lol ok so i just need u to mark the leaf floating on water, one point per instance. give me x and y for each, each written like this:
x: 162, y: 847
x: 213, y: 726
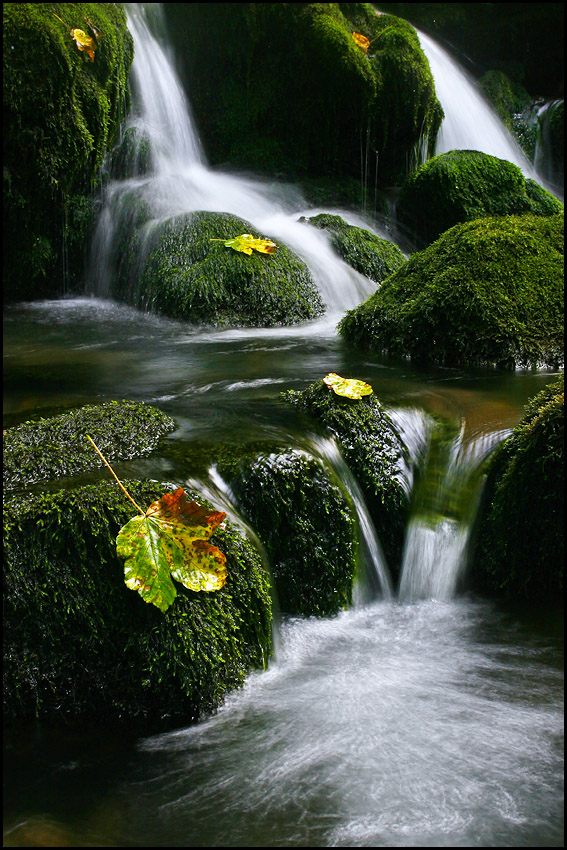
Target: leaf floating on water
x: 170, y: 541
x: 246, y: 243
x: 361, y: 41
x: 348, y: 387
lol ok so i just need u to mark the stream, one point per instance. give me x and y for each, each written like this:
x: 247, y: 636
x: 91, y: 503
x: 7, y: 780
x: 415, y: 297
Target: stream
x: 421, y: 716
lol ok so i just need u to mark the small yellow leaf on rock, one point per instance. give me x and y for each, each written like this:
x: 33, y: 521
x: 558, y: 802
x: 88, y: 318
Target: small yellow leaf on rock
x: 84, y: 42
x: 246, y: 242
x: 361, y: 41
x: 348, y: 387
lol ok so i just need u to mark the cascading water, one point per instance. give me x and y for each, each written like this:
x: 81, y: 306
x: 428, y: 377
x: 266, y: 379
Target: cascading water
x: 179, y: 180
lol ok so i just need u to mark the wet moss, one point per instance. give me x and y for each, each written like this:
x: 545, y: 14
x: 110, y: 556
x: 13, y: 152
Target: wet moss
x: 79, y: 643
x: 61, y: 113
x: 460, y: 186
x: 304, y: 520
x: 514, y: 106
x: 373, y: 451
x: 489, y: 291
x: 367, y: 253
x: 50, y: 448
x: 331, y: 99
x: 189, y: 276
x: 519, y: 532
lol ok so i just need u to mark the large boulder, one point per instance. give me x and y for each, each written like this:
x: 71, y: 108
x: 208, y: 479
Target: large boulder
x: 184, y: 270
x: 283, y: 88
x: 369, y: 254
x: 61, y: 114
x: 373, y: 451
x: 489, y: 291
x: 463, y: 185
x: 79, y: 644
x: 518, y: 535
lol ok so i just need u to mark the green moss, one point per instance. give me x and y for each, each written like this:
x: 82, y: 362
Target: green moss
x: 367, y: 253
x: 373, y: 451
x: 189, y: 276
x: 463, y: 185
x: 50, y: 448
x: 489, y: 291
x: 519, y: 532
x: 61, y: 112
x: 333, y: 105
x: 304, y: 520
x: 78, y: 642
x: 514, y: 106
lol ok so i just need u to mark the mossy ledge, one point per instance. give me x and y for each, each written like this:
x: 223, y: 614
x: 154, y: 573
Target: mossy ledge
x: 79, y: 644
x: 303, y: 518
x: 51, y: 448
x: 372, y: 256
x: 488, y: 291
x: 61, y: 115
x: 519, y: 531
x: 189, y: 274
x: 374, y: 452
x: 460, y: 186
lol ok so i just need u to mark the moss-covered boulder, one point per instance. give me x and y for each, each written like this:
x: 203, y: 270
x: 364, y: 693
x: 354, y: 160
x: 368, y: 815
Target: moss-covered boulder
x: 283, y: 88
x: 519, y: 550
x: 61, y: 112
x: 47, y: 449
x: 489, y: 291
x: 305, y: 521
x: 367, y: 253
x: 514, y: 106
x: 79, y: 643
x: 374, y: 452
x: 189, y: 274
x: 460, y: 186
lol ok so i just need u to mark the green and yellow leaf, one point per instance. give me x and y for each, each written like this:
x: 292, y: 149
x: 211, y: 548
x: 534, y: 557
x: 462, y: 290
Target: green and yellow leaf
x: 246, y: 243
x: 348, y: 387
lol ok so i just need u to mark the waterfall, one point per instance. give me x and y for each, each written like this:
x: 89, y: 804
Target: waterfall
x: 179, y: 180
x: 470, y: 123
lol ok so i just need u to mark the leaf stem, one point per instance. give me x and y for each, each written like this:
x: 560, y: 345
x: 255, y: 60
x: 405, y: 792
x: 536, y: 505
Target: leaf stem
x: 97, y: 450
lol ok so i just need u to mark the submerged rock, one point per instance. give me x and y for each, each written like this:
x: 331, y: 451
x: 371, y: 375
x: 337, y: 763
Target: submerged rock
x: 187, y: 274
x: 374, y: 452
x: 367, y: 253
x: 489, y: 291
x: 79, y: 643
x: 519, y: 531
x: 305, y: 521
x: 51, y: 448
x: 460, y: 186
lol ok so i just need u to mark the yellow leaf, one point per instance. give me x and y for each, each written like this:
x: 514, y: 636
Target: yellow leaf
x: 84, y: 42
x: 348, y: 387
x: 361, y: 41
x: 246, y: 242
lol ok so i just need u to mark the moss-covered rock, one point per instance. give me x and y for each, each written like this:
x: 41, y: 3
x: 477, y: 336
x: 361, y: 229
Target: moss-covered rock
x: 51, y: 448
x: 305, y: 521
x: 188, y: 275
x: 514, y: 106
x: 374, y: 452
x: 519, y: 550
x: 61, y: 112
x: 367, y: 253
x: 489, y: 291
x: 460, y: 186
x: 79, y: 643
x: 283, y: 88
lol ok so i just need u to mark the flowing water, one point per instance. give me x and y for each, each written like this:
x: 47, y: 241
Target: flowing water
x: 421, y: 716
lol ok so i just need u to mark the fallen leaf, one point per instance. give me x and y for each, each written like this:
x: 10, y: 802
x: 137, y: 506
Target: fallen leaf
x: 361, y: 41
x: 84, y: 42
x: 348, y: 387
x: 171, y: 541
x: 246, y: 243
